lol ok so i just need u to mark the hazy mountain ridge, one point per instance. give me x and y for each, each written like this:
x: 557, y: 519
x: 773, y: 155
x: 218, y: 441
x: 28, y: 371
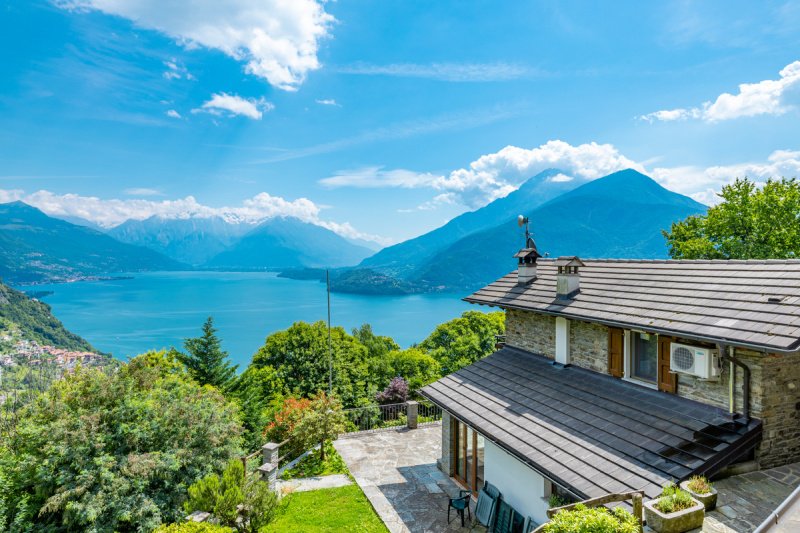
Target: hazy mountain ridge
x: 35, y: 247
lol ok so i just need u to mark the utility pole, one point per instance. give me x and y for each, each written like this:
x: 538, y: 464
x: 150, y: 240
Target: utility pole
x: 330, y: 346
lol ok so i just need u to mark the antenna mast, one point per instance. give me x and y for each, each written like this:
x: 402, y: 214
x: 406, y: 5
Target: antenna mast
x: 330, y: 347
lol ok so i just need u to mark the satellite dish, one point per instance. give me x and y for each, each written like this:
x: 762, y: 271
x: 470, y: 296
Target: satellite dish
x: 521, y: 221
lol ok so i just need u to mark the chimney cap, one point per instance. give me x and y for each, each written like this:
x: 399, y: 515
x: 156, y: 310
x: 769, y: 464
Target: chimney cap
x: 569, y: 261
x: 529, y: 251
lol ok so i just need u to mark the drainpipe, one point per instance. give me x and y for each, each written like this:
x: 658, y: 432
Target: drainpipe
x: 727, y: 353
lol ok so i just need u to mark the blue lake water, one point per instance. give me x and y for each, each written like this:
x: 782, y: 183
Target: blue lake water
x: 160, y: 309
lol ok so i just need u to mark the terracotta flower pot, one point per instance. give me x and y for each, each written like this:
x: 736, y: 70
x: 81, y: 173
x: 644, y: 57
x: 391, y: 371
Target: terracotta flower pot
x: 677, y: 522
x: 709, y: 499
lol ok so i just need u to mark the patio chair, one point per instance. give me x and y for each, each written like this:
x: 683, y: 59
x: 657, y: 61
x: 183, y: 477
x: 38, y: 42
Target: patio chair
x: 459, y: 504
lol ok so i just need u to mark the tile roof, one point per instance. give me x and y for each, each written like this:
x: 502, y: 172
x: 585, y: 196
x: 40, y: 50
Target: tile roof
x: 746, y: 303
x: 589, y: 432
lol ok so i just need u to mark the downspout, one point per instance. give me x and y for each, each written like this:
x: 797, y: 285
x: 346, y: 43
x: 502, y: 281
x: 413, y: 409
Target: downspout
x: 727, y: 354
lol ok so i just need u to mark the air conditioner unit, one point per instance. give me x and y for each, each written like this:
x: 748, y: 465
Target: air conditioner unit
x: 700, y: 362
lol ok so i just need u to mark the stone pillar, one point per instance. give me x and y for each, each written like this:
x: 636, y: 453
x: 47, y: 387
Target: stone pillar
x: 412, y: 411
x: 445, y: 462
x: 269, y: 468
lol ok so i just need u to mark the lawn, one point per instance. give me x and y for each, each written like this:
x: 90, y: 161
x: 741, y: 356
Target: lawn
x: 326, y: 510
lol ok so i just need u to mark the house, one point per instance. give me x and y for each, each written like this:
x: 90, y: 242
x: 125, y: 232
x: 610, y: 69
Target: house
x: 621, y: 375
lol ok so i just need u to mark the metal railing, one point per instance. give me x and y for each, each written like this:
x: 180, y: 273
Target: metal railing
x: 375, y: 417
x: 428, y: 413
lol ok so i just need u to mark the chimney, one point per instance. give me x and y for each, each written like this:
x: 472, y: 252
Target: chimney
x: 568, y: 278
x: 526, y: 258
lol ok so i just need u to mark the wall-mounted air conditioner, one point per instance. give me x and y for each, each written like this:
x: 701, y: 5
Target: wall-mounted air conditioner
x: 700, y: 362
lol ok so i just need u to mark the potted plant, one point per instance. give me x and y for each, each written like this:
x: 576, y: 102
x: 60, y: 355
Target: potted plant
x: 702, y: 491
x: 675, y: 511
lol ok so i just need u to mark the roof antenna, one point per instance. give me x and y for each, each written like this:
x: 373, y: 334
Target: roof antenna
x: 523, y: 221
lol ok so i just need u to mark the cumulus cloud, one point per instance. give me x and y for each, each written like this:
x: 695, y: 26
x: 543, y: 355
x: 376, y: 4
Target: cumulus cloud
x: 176, y: 71
x: 108, y: 213
x: 173, y: 114
x: 277, y: 40
x: 233, y: 105
x: 768, y: 97
x: 495, y: 175
x: 703, y: 184
x: 455, y: 72
x: 142, y: 191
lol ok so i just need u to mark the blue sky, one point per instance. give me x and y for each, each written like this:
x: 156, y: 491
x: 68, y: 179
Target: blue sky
x: 383, y: 119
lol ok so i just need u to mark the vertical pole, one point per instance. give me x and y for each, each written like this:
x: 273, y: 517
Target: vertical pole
x: 330, y: 347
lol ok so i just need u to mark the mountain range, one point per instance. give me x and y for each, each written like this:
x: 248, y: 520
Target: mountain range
x: 620, y: 215
x: 35, y: 247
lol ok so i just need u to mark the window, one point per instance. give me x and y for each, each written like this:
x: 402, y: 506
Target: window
x: 644, y: 356
x: 469, y: 454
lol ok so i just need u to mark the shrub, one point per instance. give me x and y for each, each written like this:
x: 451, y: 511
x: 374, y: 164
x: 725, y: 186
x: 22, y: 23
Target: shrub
x: 699, y: 485
x: 321, y: 422
x: 193, y: 527
x: 395, y: 392
x: 557, y: 500
x: 260, y: 505
x: 595, y: 520
x: 673, y: 499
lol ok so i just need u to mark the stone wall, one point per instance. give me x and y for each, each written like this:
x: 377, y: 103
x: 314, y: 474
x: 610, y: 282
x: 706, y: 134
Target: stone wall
x: 774, y: 379
x: 447, y: 460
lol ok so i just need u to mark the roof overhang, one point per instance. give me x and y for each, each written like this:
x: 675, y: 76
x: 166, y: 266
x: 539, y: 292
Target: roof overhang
x: 591, y: 433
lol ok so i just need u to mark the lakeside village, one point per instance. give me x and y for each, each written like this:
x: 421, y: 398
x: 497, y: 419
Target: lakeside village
x: 31, y: 353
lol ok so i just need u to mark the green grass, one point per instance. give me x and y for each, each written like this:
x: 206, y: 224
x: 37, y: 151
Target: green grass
x: 311, y: 465
x: 326, y: 510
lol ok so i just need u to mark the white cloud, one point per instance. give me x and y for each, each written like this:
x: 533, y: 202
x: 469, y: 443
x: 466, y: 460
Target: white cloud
x: 457, y: 72
x: 142, y: 191
x: 108, y: 213
x: 176, y: 71
x: 173, y: 114
x: 233, y: 105
x: 703, y: 184
x: 768, y: 97
x: 328, y: 101
x: 277, y: 40
x: 495, y: 175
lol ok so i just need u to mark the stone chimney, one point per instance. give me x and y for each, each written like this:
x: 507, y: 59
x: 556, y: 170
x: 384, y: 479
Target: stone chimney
x: 526, y: 268
x: 568, y: 277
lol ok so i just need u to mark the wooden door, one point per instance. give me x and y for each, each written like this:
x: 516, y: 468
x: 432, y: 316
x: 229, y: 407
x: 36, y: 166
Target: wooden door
x: 667, y: 381
x: 616, y: 352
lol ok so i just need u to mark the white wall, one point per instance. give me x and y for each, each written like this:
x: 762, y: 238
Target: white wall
x: 521, y: 487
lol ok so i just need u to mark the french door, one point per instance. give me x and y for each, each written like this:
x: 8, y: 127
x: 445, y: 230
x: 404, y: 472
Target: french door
x: 469, y: 455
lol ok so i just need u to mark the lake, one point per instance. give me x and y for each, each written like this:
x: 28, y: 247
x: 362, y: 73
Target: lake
x: 160, y: 309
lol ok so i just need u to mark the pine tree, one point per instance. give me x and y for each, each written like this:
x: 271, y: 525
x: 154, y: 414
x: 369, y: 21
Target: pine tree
x: 206, y: 361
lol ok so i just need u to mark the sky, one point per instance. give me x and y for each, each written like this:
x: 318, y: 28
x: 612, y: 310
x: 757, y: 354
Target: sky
x: 383, y: 120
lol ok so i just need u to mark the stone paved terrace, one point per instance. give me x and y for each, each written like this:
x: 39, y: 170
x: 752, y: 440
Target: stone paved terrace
x: 397, y: 471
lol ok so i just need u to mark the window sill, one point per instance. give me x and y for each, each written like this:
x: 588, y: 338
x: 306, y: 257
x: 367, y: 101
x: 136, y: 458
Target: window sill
x: 641, y: 383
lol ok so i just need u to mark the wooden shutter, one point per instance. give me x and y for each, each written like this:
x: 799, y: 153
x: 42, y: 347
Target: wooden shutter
x: 667, y: 381
x: 616, y: 352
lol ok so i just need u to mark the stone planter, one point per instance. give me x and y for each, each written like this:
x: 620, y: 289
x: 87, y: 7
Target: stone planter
x: 709, y: 499
x: 678, y: 522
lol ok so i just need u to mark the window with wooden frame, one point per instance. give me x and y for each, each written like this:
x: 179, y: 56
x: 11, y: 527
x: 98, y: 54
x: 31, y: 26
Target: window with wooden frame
x: 468, y: 453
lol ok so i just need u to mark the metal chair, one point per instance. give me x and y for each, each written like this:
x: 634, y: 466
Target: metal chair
x: 460, y: 504
x: 485, y: 508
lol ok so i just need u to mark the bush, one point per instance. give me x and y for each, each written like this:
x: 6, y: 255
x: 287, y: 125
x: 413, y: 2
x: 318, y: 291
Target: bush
x: 673, y: 499
x: 224, y: 496
x: 193, y: 527
x: 395, y: 392
x: 595, y: 520
x: 699, y: 485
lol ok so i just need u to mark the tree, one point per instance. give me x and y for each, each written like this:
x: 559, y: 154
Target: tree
x: 464, y: 340
x: 749, y: 223
x: 415, y: 365
x: 256, y: 390
x: 206, y: 361
x: 116, y: 451
x: 300, y: 357
x: 323, y: 421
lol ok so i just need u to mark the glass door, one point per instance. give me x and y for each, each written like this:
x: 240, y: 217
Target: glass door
x: 468, y: 454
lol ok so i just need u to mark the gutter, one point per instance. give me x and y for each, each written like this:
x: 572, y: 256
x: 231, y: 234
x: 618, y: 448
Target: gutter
x: 727, y: 355
x: 775, y: 517
x: 627, y: 325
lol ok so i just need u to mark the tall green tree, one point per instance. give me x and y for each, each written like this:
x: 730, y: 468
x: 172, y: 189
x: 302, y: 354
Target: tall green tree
x: 205, y: 359
x: 749, y: 223
x: 300, y: 357
x: 464, y: 340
